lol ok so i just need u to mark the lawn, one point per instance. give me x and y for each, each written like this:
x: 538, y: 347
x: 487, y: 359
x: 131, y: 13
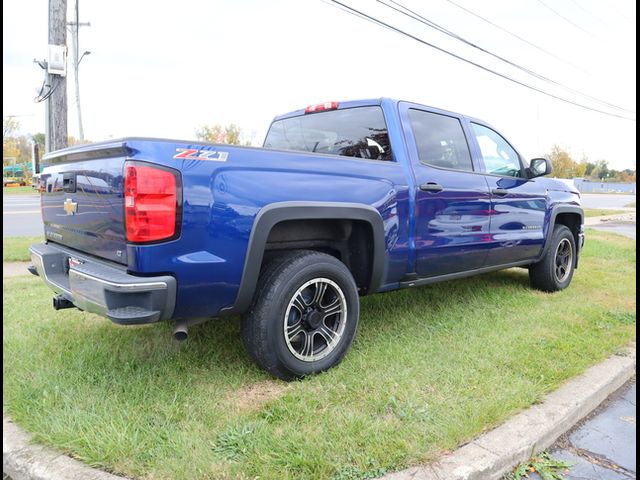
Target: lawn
x: 432, y: 367
x: 597, y: 212
x: 26, y: 190
x: 16, y: 249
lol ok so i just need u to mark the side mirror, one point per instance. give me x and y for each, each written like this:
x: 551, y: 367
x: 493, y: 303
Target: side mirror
x: 539, y: 167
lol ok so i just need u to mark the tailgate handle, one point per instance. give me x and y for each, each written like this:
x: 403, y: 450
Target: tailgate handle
x: 69, y: 182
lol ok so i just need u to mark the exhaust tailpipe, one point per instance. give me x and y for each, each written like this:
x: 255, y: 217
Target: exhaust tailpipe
x: 181, y: 331
x: 60, y: 303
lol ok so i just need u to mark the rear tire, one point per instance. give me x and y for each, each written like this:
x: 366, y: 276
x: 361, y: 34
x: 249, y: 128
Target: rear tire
x: 555, y: 270
x: 304, y: 314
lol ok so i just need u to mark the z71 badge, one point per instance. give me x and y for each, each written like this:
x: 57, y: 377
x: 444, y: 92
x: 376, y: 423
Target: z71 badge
x: 195, y: 154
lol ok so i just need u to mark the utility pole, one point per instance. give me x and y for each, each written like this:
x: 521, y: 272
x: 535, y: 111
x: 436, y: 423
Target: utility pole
x: 75, y: 25
x: 57, y: 131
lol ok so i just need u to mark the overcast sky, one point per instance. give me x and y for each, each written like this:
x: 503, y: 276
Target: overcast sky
x: 163, y: 69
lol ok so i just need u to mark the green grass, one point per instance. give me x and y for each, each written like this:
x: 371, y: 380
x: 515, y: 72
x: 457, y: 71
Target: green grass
x: 16, y: 249
x: 28, y: 189
x: 431, y: 368
x: 596, y: 212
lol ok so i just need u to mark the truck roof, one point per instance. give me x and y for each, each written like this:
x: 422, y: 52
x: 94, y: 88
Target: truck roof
x: 368, y: 102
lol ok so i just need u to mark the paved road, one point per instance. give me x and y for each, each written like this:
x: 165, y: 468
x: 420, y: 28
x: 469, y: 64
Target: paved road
x: 604, y: 446
x: 605, y: 200
x: 21, y: 216
x: 626, y: 229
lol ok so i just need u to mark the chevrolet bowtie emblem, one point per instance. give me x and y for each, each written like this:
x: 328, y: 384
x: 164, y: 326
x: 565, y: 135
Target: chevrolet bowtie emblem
x: 70, y: 206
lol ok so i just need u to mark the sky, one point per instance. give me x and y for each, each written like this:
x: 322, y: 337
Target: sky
x: 164, y: 69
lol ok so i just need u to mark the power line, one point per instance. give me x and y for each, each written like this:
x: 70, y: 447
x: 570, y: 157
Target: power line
x: 514, y: 35
x: 458, y: 57
x: 566, y: 19
x: 416, y: 16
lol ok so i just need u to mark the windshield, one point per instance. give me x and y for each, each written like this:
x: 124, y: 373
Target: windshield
x: 354, y: 132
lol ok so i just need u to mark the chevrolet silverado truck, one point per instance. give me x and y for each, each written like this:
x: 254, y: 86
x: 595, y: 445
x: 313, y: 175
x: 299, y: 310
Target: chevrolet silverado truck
x: 343, y: 200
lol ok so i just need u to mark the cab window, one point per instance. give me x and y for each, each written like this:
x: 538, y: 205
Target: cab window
x: 499, y: 157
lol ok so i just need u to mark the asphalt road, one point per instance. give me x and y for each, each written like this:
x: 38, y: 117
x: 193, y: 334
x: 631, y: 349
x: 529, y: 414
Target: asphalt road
x: 605, y: 200
x: 21, y: 213
x: 603, y: 447
x: 626, y: 229
x: 21, y: 216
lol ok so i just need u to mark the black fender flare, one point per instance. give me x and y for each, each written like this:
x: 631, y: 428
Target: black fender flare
x: 274, y: 213
x: 557, y: 210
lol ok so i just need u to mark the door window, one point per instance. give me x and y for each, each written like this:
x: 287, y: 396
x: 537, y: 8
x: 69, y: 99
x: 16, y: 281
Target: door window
x: 499, y: 157
x: 440, y: 140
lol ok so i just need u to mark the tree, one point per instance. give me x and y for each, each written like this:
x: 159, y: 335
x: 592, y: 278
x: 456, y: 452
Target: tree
x: 9, y: 125
x: 18, y: 148
x: 563, y: 165
x: 230, y: 134
x: 600, y: 170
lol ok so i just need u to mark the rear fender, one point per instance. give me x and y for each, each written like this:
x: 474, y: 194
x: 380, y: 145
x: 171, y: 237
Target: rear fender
x: 275, y: 213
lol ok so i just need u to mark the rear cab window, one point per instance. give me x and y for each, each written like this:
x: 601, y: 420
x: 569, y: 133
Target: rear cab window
x: 359, y: 132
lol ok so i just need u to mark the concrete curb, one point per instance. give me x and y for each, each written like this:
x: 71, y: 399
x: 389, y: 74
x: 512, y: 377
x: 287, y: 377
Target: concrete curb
x: 494, y: 453
x: 22, y: 460
x: 487, y: 457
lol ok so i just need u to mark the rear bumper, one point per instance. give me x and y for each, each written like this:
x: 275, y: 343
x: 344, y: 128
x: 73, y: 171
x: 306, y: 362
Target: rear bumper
x: 104, y: 288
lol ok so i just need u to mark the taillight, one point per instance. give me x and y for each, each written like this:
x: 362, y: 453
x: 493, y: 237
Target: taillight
x: 321, y: 107
x: 150, y: 202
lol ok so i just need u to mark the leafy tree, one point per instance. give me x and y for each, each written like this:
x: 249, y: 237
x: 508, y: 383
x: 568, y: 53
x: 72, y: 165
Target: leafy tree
x: 71, y: 141
x: 563, y: 165
x: 39, y: 138
x: 9, y: 125
x: 627, y: 175
x: 600, y: 170
x: 230, y: 134
x: 581, y: 168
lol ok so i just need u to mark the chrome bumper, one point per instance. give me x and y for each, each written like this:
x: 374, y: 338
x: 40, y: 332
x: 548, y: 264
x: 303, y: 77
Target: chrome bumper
x: 103, y: 288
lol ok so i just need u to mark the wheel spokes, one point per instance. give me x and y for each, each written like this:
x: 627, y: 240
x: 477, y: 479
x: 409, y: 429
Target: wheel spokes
x: 294, y: 330
x: 563, y: 260
x: 318, y: 294
x: 299, y: 303
x: 307, y: 346
x: 333, y: 308
x: 315, y: 319
x: 327, y: 334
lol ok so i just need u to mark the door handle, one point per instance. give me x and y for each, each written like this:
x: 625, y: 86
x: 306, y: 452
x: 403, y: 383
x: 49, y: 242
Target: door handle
x: 431, y: 187
x: 501, y: 192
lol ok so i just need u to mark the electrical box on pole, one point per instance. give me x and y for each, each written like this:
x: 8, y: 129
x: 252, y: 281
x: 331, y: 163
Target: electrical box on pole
x: 57, y: 62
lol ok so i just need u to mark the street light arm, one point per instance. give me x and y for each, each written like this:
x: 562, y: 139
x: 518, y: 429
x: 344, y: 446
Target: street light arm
x: 87, y: 52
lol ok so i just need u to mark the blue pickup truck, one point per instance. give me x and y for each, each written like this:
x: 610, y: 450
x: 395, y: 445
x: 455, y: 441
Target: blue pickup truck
x: 344, y: 199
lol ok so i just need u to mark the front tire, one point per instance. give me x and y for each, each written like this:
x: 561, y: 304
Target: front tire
x: 555, y: 270
x: 304, y: 314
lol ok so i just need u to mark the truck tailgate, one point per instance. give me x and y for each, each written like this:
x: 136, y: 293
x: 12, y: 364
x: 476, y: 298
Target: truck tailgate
x: 82, y: 198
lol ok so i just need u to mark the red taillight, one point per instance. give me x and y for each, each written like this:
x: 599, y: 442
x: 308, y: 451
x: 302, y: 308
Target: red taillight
x: 321, y: 107
x: 150, y: 203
